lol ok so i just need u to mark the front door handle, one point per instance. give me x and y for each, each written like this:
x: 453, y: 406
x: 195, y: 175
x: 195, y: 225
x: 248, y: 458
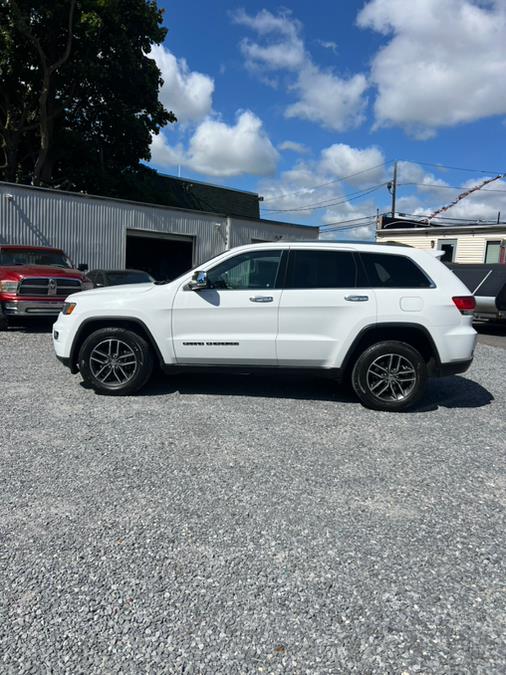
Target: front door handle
x: 357, y: 298
x: 262, y: 298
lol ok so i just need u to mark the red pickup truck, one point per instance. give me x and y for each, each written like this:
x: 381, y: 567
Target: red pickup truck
x: 35, y: 280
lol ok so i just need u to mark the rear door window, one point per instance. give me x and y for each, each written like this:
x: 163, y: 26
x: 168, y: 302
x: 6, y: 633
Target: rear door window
x: 321, y: 269
x: 392, y: 271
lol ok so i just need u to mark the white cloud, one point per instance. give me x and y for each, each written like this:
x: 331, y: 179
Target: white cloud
x: 444, y: 63
x: 343, y: 160
x: 328, y: 44
x: 322, y: 95
x: 187, y: 93
x: 265, y: 22
x: 280, y: 56
x: 292, y: 146
x: 163, y: 154
x: 335, y: 102
x: 285, y: 53
x: 219, y: 149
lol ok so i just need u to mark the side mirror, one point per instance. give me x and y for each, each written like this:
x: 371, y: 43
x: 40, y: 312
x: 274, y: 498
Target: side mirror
x: 82, y: 267
x: 199, y: 281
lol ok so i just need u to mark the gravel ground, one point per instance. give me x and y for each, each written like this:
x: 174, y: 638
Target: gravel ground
x: 243, y: 525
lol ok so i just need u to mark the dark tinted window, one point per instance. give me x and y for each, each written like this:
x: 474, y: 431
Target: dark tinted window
x: 127, y: 277
x: 258, y: 269
x: 321, y: 269
x: 393, y: 271
x: 19, y: 256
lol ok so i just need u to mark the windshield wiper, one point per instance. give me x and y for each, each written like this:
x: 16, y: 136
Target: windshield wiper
x: 163, y: 282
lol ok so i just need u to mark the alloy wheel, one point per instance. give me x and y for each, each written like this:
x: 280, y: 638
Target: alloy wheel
x: 113, y: 362
x: 391, y: 377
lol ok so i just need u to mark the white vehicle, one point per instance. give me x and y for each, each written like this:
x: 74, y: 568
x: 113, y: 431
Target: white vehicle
x: 385, y: 317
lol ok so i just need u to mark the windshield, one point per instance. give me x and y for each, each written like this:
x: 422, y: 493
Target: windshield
x: 119, y: 278
x: 15, y: 256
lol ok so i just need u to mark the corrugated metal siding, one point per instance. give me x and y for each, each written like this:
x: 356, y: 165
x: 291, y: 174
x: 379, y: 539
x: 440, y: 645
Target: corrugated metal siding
x: 93, y: 230
x: 470, y: 247
x: 244, y: 231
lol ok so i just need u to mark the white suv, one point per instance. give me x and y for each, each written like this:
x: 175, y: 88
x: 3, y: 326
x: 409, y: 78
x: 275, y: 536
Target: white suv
x: 386, y: 317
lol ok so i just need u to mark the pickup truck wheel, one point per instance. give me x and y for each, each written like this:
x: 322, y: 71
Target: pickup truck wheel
x: 389, y: 376
x: 4, y: 323
x: 115, y: 361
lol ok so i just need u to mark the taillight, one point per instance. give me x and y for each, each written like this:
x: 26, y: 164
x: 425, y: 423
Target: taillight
x: 466, y: 304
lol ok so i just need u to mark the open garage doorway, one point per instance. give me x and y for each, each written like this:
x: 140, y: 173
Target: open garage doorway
x: 162, y: 256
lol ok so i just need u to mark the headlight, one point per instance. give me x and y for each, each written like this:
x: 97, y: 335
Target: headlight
x: 9, y: 286
x: 87, y: 285
x: 68, y: 308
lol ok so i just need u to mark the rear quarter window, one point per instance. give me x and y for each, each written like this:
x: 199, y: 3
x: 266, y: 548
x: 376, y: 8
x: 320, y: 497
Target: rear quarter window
x: 383, y: 270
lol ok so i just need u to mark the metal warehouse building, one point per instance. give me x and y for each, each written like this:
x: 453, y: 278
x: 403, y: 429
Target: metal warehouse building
x: 116, y: 233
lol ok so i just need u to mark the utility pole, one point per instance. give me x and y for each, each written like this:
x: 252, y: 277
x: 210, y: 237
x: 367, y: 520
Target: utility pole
x: 394, y: 190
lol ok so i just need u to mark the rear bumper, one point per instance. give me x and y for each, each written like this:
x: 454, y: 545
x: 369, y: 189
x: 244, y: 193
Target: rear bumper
x: 26, y: 308
x: 453, y: 368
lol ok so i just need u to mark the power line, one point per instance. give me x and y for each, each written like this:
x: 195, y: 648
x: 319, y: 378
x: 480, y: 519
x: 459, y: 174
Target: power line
x: 330, y: 182
x: 371, y: 168
x: 360, y: 222
x: 453, y: 168
x: 347, y: 227
x: 351, y: 220
x: 323, y: 205
x: 447, y: 187
x: 423, y: 218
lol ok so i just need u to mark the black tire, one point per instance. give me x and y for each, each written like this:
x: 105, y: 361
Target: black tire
x: 393, y: 369
x: 4, y: 322
x: 130, y: 361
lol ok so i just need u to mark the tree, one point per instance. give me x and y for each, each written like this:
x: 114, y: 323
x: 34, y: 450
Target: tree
x: 78, y: 91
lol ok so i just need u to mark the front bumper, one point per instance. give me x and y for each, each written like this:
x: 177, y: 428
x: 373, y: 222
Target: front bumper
x: 26, y: 308
x: 64, y: 360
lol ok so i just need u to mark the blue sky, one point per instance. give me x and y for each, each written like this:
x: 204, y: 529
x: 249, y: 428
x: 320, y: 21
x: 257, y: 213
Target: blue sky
x: 286, y: 100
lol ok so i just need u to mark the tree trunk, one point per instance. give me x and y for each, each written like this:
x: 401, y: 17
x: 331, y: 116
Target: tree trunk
x: 44, y: 131
x: 11, y: 155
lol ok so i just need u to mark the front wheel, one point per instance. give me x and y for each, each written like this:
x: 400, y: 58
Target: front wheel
x: 389, y: 376
x: 115, y: 361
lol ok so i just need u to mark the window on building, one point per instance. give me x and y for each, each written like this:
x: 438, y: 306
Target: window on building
x: 493, y: 252
x: 257, y: 269
x: 392, y: 271
x: 321, y: 269
x: 449, y: 247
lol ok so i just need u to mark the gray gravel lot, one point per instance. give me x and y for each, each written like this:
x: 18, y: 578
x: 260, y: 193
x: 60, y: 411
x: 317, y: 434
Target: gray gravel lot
x: 241, y: 525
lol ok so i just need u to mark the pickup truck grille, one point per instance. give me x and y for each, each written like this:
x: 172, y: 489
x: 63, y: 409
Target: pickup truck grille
x: 47, y: 287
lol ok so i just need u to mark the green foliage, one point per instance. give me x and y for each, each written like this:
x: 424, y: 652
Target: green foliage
x: 102, y: 101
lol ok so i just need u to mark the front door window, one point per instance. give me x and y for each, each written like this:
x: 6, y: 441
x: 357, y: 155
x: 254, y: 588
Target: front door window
x: 248, y: 271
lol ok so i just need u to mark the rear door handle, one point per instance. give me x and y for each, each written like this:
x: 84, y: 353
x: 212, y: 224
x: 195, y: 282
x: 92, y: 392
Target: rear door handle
x: 357, y: 298
x: 262, y: 298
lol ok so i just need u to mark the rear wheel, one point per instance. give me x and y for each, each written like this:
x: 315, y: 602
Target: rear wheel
x: 389, y: 376
x: 115, y: 361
